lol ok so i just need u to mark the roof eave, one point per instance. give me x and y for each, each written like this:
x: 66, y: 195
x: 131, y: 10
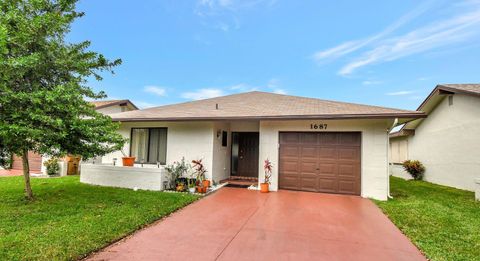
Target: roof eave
x: 287, y: 117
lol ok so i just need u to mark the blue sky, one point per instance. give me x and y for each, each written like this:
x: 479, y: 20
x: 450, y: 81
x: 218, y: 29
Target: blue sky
x: 387, y: 53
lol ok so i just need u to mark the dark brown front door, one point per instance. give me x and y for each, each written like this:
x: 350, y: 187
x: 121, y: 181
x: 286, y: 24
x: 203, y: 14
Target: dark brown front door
x: 245, y: 154
x: 320, y: 162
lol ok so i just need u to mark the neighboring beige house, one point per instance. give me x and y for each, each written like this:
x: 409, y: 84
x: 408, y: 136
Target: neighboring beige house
x: 448, y: 141
x: 314, y: 145
x: 72, y: 163
x: 114, y: 106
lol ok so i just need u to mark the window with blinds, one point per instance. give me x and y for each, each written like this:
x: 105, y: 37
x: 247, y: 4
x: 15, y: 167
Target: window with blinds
x: 149, y: 145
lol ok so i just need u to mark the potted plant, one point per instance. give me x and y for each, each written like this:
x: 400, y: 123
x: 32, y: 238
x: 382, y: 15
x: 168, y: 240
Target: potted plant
x: 200, y: 170
x: 180, y: 186
x: 176, y: 171
x: 191, y: 185
x: 267, y: 167
x: 126, y: 160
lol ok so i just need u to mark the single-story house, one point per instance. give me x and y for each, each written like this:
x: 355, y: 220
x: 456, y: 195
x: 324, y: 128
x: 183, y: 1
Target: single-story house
x: 315, y: 145
x: 72, y: 163
x: 448, y: 141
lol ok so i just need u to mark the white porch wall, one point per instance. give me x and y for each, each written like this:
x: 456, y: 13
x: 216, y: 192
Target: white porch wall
x: 374, y: 171
x: 221, y: 155
x: 192, y: 140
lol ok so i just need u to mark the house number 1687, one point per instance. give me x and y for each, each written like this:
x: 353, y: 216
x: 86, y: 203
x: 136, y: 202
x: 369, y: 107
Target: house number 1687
x: 318, y: 126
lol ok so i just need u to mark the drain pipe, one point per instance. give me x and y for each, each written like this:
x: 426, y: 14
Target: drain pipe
x: 395, y: 122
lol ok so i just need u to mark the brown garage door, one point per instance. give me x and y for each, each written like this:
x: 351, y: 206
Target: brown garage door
x: 34, y: 160
x: 320, y: 162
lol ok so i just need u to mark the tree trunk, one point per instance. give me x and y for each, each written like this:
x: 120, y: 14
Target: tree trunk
x: 26, y: 175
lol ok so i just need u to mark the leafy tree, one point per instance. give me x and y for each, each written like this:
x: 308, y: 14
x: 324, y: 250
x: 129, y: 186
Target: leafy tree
x: 43, y: 85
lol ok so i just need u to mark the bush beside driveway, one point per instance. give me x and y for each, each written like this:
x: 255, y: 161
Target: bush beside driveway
x: 69, y: 219
x: 443, y: 222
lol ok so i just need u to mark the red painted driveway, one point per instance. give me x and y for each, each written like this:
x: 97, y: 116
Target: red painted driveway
x: 238, y: 224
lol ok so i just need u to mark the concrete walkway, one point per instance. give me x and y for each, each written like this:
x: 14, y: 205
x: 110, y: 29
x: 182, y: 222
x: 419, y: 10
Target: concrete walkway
x: 238, y: 224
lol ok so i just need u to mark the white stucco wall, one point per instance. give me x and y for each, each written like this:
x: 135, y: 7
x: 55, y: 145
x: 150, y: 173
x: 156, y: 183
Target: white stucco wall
x: 448, y: 142
x: 397, y: 170
x: 221, y: 155
x: 123, y: 177
x: 192, y: 140
x: 374, y: 173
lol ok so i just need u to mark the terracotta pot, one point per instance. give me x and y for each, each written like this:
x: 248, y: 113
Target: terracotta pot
x: 128, y: 161
x: 264, y: 187
x: 201, y: 189
x: 180, y: 188
x: 206, y: 183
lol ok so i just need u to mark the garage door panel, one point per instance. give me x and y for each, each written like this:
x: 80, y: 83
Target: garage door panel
x: 308, y: 167
x: 327, y: 169
x: 290, y: 138
x: 347, y: 186
x: 289, y: 166
x: 348, y: 154
x: 327, y: 153
x: 309, y: 138
x: 308, y: 152
x: 328, y: 138
x: 348, y: 170
x: 327, y: 185
x: 308, y: 183
x: 290, y: 182
x: 320, y: 161
x: 352, y: 139
x: 290, y: 151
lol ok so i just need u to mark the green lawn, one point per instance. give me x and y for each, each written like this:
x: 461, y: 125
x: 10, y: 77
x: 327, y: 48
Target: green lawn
x: 69, y: 219
x: 443, y: 222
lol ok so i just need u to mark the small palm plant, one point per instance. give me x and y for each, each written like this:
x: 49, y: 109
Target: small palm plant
x: 267, y: 167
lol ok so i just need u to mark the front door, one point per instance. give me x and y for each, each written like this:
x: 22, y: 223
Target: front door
x: 245, y: 154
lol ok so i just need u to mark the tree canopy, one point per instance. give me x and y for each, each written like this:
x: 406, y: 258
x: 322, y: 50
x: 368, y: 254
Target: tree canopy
x: 44, y: 83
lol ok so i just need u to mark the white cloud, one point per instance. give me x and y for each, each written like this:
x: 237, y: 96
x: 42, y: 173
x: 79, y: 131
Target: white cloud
x: 225, y: 15
x: 274, y: 85
x: 203, y: 94
x: 242, y: 87
x: 279, y: 91
x: 371, y: 82
x: 454, y: 30
x: 159, y: 91
x: 382, y: 47
x: 351, y: 46
x: 400, y: 93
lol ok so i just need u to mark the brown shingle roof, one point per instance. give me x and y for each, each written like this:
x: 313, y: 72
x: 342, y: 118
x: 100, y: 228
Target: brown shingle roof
x: 469, y: 88
x: 262, y: 105
x: 108, y: 103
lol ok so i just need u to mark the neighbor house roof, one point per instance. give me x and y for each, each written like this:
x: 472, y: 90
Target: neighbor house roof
x: 434, y: 98
x: 263, y: 105
x: 108, y: 103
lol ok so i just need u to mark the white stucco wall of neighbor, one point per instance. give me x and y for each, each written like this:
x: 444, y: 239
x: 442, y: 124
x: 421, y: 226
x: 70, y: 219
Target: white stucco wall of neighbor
x: 448, y: 142
x: 374, y: 171
x: 192, y: 140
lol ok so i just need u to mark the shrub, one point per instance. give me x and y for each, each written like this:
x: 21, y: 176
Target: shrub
x: 414, y: 168
x: 52, y: 166
x: 6, y: 158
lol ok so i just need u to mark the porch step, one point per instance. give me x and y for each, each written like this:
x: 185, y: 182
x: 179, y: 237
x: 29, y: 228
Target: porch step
x: 240, y: 181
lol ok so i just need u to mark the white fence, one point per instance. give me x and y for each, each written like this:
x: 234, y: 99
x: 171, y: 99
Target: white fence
x: 124, y: 177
